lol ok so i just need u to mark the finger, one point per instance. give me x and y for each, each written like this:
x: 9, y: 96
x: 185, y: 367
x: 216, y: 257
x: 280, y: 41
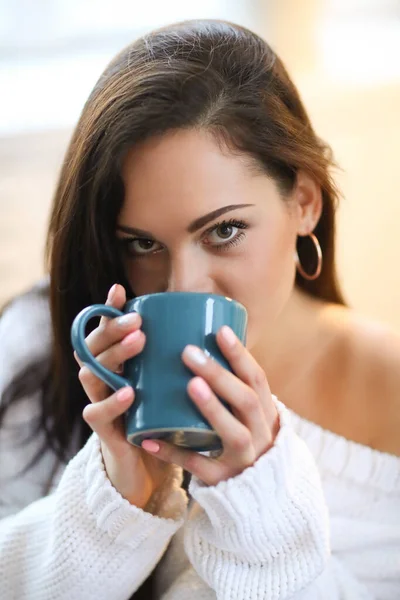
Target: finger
x: 116, y: 298
x: 236, y: 439
x: 101, y: 417
x: 245, y: 366
x: 111, y: 359
x: 127, y: 348
x: 112, y: 331
x: 241, y: 398
x: 119, y: 369
x: 205, y: 468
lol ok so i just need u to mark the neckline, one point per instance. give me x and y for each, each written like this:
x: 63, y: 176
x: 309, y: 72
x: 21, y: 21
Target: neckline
x: 345, y: 458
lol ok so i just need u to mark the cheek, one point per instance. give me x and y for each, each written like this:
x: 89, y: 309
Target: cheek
x: 267, y: 279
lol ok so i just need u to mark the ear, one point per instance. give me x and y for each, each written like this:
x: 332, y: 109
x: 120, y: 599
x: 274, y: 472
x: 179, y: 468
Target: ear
x: 307, y: 199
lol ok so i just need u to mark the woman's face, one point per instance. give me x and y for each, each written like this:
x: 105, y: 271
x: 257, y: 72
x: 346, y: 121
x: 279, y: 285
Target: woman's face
x: 199, y: 219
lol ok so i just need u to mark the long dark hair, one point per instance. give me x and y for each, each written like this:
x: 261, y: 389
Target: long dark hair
x: 203, y: 74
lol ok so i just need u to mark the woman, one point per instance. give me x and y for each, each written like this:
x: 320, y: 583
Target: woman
x: 194, y: 167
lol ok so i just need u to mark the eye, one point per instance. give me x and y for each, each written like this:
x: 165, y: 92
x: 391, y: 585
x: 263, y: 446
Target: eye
x: 223, y: 232
x: 223, y: 235
x: 140, y: 246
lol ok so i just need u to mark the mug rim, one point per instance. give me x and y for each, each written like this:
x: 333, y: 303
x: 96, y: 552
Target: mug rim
x: 191, y: 294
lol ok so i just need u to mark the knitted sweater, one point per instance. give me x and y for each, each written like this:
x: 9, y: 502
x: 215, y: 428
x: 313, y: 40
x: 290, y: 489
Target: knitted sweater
x: 316, y: 517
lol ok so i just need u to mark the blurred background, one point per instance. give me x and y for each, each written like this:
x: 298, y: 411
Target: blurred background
x: 344, y: 56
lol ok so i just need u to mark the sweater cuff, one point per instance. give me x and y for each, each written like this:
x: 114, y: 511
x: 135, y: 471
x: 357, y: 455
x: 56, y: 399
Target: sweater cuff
x: 272, y: 515
x: 122, y: 521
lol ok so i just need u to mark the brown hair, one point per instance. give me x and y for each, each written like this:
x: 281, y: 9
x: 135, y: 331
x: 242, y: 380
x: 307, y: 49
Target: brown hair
x: 198, y: 74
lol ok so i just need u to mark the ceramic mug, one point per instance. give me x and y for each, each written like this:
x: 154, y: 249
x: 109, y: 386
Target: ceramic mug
x: 162, y: 408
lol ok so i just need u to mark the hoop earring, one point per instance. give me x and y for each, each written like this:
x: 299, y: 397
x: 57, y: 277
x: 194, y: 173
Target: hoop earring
x: 319, y: 257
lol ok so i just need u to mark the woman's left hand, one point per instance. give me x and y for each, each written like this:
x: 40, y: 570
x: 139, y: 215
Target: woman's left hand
x: 246, y: 433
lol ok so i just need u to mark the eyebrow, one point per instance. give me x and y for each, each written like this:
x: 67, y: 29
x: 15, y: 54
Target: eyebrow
x: 194, y: 226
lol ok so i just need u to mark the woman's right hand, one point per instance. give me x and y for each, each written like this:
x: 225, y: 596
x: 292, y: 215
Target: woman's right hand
x: 133, y: 472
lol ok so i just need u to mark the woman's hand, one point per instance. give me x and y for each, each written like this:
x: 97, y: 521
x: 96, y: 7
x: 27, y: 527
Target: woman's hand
x: 133, y: 472
x: 247, y: 433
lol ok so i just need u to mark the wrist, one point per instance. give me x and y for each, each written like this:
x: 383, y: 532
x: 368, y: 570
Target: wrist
x: 168, y: 495
x: 128, y: 479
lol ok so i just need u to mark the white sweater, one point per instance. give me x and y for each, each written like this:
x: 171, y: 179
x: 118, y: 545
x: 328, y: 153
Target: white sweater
x: 316, y: 517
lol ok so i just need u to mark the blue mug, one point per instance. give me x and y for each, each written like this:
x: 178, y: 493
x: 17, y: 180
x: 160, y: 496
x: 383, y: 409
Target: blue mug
x: 162, y: 408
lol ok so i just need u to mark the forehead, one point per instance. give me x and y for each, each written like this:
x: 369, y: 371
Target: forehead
x: 185, y: 168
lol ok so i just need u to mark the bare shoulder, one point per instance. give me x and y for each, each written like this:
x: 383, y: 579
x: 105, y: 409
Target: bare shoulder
x: 376, y: 346
x: 370, y: 352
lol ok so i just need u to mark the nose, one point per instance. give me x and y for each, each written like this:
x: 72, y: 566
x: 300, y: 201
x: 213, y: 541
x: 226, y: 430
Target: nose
x: 189, y: 273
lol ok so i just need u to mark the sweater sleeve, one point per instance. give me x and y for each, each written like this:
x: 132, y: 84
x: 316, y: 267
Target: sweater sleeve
x: 265, y: 532
x: 85, y: 541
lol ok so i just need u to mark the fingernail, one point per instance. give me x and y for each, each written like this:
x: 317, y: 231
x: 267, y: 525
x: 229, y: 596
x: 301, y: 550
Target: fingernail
x: 124, y: 394
x: 200, y: 389
x: 195, y: 355
x: 111, y: 293
x: 228, y: 335
x: 131, y: 338
x: 127, y: 320
x: 150, y: 446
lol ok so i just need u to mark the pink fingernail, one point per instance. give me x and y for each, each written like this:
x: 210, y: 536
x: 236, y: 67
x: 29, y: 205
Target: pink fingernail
x: 228, y: 335
x: 150, y: 446
x: 111, y: 293
x: 131, y: 338
x: 124, y: 394
x: 201, y: 389
x: 195, y: 355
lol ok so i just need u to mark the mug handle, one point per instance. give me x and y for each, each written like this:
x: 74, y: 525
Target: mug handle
x: 78, y: 342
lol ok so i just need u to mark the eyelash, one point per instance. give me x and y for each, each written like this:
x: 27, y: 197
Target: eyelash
x: 241, y: 225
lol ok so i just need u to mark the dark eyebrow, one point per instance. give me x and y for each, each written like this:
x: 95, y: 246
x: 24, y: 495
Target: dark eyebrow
x: 134, y: 231
x: 201, y: 221
x: 193, y: 227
